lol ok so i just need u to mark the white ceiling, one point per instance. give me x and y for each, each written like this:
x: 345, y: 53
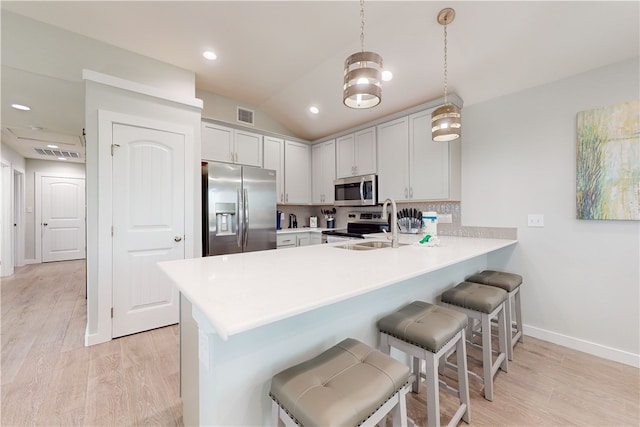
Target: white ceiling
x: 283, y: 57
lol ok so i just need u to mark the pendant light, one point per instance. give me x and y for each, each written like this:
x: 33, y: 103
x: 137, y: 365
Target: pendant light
x: 362, y: 75
x: 445, y: 120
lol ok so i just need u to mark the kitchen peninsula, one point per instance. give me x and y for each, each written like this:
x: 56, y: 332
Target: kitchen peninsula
x: 261, y: 312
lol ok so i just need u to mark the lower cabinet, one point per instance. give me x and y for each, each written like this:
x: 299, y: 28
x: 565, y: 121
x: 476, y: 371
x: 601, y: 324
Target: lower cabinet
x: 303, y: 238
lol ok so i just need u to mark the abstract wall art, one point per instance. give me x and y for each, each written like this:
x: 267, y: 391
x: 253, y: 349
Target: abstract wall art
x: 608, y: 162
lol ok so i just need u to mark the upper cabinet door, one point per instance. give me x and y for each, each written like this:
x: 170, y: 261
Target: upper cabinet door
x: 429, y: 160
x: 248, y: 148
x: 274, y: 159
x: 217, y: 143
x: 393, y: 166
x: 365, y: 152
x: 323, y: 169
x: 345, y: 156
x: 297, y: 178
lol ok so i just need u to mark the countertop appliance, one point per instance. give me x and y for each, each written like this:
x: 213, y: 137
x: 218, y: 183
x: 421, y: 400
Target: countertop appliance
x: 238, y: 205
x: 358, y: 225
x: 356, y: 191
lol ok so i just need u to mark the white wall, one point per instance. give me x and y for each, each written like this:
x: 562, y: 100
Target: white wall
x: 52, y: 168
x: 582, y: 278
x: 222, y: 108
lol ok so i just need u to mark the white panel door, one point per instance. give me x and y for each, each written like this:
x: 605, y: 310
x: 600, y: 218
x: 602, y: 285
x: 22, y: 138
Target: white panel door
x: 63, y: 219
x: 148, y: 226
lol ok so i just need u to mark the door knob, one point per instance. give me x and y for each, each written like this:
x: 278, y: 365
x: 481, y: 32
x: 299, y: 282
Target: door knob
x: 45, y: 224
x: 177, y: 238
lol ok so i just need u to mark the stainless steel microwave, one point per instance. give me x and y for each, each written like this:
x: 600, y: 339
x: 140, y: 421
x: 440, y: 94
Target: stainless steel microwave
x: 356, y: 191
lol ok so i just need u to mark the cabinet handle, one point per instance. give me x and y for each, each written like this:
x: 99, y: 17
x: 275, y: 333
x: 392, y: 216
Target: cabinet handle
x: 406, y: 193
x: 411, y: 192
x: 281, y: 197
x: 286, y: 198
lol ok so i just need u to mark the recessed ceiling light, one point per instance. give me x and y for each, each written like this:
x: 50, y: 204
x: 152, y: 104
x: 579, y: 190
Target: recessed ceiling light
x: 52, y: 146
x: 209, y: 55
x: 20, y: 107
x: 386, y: 76
x: 61, y: 158
x: 314, y: 109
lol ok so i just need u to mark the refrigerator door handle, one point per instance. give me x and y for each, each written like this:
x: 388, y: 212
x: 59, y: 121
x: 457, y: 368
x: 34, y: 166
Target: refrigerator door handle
x: 238, y: 223
x: 246, y: 217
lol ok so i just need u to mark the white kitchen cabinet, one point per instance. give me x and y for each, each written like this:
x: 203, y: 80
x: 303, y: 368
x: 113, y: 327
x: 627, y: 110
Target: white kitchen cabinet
x: 297, y: 173
x: 414, y: 167
x: 356, y: 153
x: 302, y: 239
x: 273, y: 158
x: 288, y: 240
x: 223, y: 144
x: 315, y: 238
x: 393, y: 152
x: 323, y: 171
x: 434, y: 167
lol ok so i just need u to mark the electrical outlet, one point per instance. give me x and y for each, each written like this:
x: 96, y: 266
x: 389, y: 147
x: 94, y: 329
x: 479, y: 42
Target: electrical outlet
x: 445, y: 218
x: 535, y: 220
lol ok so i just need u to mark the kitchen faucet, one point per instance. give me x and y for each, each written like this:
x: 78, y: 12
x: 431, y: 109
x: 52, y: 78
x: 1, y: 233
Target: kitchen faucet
x: 394, y: 222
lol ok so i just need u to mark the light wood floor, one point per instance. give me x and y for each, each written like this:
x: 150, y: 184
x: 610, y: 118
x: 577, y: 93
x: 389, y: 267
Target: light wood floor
x: 50, y: 378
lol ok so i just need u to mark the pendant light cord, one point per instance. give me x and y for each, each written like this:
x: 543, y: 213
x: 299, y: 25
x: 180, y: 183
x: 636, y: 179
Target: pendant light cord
x: 362, y: 25
x: 445, y: 63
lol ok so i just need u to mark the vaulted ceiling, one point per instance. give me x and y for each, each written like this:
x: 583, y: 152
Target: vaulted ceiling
x: 282, y: 57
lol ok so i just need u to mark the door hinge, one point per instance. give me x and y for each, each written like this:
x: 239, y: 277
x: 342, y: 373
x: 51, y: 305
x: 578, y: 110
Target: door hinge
x: 112, y: 147
x: 112, y: 312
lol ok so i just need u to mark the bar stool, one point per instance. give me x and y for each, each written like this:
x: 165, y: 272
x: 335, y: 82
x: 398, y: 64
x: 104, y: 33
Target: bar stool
x: 482, y: 303
x: 428, y: 332
x: 510, y: 282
x: 350, y: 384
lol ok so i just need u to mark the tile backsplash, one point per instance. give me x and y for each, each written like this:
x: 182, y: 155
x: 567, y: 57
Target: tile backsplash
x: 455, y: 228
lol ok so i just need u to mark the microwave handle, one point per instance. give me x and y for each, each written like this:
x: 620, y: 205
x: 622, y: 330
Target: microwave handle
x: 362, y: 190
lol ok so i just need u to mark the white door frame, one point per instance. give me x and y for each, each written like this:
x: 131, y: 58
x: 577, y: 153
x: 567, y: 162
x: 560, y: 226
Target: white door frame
x: 18, y: 216
x: 6, y: 233
x: 104, y: 244
x: 38, y: 209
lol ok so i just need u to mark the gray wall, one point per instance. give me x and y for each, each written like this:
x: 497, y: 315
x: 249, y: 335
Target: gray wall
x: 582, y: 278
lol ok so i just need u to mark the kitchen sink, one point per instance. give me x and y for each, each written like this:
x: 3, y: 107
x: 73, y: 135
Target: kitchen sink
x: 377, y: 244
x: 366, y: 246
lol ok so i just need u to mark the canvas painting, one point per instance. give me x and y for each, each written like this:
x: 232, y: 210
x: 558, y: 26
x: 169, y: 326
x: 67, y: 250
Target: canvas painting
x: 608, y: 162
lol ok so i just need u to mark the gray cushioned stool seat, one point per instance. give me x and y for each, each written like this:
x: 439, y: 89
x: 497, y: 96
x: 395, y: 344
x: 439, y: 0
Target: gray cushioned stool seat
x: 475, y: 296
x: 342, y: 386
x: 506, y: 281
x: 426, y: 325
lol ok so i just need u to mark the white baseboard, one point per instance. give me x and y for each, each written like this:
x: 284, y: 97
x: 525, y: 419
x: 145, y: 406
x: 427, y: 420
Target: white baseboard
x: 31, y: 261
x: 93, y: 339
x: 594, y: 349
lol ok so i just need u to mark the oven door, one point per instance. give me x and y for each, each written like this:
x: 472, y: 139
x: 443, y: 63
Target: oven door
x: 356, y: 191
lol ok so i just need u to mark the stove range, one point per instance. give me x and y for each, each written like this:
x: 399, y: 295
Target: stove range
x: 358, y: 225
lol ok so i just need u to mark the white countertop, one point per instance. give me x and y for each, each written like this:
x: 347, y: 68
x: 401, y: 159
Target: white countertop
x: 240, y: 292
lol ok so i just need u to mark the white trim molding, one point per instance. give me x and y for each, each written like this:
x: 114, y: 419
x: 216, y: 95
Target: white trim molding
x: 588, y: 347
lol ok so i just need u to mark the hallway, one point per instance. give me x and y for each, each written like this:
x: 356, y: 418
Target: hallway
x: 50, y: 378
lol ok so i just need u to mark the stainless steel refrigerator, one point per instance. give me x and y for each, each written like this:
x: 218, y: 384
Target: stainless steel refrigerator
x: 239, y: 209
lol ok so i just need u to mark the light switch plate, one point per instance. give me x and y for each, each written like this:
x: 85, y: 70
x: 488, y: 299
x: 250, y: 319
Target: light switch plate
x: 535, y: 220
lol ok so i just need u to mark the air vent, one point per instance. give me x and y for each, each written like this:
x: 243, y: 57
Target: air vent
x: 57, y: 153
x: 245, y: 116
